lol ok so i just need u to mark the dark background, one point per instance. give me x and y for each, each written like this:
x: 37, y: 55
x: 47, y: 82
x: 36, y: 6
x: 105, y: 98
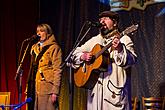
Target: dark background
x: 18, y: 21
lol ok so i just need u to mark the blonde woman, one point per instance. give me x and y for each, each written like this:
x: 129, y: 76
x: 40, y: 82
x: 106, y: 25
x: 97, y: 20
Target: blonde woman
x: 45, y: 70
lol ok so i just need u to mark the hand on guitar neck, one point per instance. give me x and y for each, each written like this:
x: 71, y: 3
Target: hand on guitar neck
x: 116, y: 44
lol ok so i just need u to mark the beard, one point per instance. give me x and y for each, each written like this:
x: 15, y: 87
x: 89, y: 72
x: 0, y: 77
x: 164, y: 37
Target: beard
x: 105, y: 31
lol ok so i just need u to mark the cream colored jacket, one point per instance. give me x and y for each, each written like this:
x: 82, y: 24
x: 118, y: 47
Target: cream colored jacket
x: 116, y: 75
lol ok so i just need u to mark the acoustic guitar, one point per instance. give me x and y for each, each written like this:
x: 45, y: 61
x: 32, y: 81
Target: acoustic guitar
x: 88, y: 73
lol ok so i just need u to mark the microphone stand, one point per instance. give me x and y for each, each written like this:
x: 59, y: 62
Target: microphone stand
x: 20, y: 72
x: 68, y: 59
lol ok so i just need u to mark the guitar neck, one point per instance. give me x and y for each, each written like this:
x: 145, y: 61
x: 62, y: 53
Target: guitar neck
x: 125, y: 32
x: 106, y: 47
x: 103, y: 50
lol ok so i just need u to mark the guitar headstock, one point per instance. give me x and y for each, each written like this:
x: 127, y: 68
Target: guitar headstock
x: 130, y: 29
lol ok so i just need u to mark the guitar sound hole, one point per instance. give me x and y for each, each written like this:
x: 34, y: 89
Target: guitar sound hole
x: 92, y: 59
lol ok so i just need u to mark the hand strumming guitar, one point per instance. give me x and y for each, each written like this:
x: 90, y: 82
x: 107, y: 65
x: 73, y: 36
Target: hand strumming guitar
x: 86, y: 56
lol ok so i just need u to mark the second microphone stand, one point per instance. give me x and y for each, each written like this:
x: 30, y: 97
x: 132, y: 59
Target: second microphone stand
x: 69, y: 63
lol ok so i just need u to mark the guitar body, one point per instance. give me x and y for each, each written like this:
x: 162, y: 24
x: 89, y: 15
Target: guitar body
x: 87, y: 74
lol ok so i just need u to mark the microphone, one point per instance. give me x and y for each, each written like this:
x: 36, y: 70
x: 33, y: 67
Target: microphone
x: 34, y: 37
x: 94, y: 24
x: 28, y: 100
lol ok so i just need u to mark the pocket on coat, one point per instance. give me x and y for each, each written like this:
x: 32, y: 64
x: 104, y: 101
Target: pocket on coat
x: 115, y: 95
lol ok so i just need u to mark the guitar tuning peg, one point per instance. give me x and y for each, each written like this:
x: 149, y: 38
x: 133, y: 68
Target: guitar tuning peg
x: 136, y: 25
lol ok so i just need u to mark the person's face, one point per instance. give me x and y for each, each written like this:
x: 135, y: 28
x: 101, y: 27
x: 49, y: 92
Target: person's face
x: 42, y: 33
x: 108, y: 25
x: 107, y: 22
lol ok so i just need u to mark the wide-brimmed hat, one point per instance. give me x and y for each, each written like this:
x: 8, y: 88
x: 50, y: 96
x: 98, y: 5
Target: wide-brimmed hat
x: 111, y: 14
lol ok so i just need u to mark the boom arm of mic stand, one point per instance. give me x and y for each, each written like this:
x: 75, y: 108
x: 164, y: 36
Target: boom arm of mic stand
x: 68, y: 57
x: 19, y: 69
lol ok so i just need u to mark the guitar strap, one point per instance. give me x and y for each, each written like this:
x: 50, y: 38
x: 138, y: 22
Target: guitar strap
x: 41, y: 53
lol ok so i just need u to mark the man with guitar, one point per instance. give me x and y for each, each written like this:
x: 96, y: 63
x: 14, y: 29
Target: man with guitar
x: 103, y: 63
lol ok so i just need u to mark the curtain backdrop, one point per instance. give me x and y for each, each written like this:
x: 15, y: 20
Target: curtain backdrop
x: 66, y: 17
x: 18, y: 21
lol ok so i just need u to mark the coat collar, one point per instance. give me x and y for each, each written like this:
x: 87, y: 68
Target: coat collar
x: 36, y: 47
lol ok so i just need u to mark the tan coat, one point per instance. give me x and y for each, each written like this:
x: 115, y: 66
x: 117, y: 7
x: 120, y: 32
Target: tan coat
x: 48, y: 75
